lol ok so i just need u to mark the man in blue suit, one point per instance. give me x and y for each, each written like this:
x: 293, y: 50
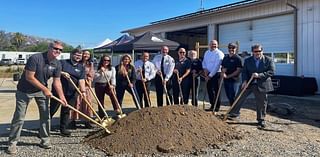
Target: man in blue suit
x: 261, y: 68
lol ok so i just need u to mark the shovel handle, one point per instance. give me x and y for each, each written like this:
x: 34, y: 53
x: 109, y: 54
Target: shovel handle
x: 218, y: 94
x: 82, y: 114
x: 95, y: 96
x: 78, y: 90
x: 236, y: 101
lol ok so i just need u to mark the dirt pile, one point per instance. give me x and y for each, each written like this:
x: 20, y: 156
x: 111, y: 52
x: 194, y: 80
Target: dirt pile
x: 169, y: 129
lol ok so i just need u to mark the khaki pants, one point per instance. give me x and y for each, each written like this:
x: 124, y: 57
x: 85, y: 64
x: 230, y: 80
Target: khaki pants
x: 22, y: 102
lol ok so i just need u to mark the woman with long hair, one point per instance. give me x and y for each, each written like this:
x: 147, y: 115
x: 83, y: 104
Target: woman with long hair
x: 106, y: 72
x: 124, y: 70
x: 80, y: 103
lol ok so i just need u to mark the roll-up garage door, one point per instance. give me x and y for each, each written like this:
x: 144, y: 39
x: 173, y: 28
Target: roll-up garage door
x: 276, y: 34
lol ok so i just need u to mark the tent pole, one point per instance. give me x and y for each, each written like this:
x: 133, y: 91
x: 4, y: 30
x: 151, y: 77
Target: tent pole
x: 132, y: 55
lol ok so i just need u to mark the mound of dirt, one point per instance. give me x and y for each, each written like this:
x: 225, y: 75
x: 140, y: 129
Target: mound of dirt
x: 169, y: 129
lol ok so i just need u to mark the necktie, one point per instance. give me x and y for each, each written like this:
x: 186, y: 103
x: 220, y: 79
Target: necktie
x: 143, y: 71
x: 162, y: 69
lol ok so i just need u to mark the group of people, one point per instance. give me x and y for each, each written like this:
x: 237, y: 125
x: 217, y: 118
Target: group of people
x: 176, y: 78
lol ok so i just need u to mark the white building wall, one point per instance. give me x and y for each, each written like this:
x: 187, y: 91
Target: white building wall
x: 308, y: 38
x: 308, y: 27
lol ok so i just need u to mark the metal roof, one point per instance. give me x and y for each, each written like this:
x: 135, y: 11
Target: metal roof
x: 201, y: 12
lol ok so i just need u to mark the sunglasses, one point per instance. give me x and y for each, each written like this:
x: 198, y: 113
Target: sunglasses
x: 106, y: 60
x: 257, y: 51
x: 231, y: 48
x: 182, y: 52
x: 57, y: 49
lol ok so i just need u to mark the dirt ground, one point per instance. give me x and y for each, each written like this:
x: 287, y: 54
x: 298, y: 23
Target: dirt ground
x: 292, y: 130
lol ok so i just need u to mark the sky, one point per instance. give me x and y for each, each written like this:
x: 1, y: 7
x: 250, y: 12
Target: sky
x: 89, y: 22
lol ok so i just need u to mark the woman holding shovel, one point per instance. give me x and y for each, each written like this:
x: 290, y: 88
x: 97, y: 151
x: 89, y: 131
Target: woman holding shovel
x: 106, y: 72
x: 124, y: 71
x: 181, y: 80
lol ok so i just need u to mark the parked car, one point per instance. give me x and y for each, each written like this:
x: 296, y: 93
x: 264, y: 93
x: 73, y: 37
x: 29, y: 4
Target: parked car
x: 21, y: 61
x: 6, y: 61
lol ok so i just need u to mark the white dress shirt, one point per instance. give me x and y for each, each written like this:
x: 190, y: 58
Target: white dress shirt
x: 212, y: 61
x: 168, y: 65
x: 149, y: 69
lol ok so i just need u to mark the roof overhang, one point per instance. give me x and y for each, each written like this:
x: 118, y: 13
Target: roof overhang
x: 198, y: 14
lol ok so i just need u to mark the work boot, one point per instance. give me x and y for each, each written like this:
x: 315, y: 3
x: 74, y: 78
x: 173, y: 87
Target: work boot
x: 65, y: 133
x: 12, y: 149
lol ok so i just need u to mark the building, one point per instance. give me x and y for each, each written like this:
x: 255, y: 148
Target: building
x: 22, y: 57
x: 289, y: 30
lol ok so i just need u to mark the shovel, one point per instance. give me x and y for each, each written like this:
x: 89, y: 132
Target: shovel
x: 121, y: 115
x: 106, y: 120
x: 67, y: 75
x: 134, y: 94
x: 217, y: 95
x: 82, y: 114
x: 165, y: 90
x: 225, y: 116
x: 145, y: 89
x: 193, y: 90
x: 180, y: 89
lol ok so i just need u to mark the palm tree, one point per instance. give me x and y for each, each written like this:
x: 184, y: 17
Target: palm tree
x: 18, y: 40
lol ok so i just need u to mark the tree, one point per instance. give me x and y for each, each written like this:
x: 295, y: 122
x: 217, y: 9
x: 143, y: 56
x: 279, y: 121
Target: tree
x: 18, y: 40
x: 4, y: 43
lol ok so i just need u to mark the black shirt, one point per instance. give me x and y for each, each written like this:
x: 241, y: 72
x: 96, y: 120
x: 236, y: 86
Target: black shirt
x: 196, y: 64
x: 183, y: 65
x: 231, y: 64
x: 43, y: 69
x: 122, y: 80
x: 76, y: 72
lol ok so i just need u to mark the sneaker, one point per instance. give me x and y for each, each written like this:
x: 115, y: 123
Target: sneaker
x: 45, y: 145
x: 233, y: 117
x: 261, y: 124
x: 12, y: 149
x: 65, y: 133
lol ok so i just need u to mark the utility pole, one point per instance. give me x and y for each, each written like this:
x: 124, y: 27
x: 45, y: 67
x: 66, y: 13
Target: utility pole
x: 201, y: 5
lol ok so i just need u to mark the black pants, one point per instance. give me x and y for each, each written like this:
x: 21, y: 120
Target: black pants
x: 120, y: 89
x: 185, y: 87
x: 141, y: 93
x: 65, y: 111
x: 212, y: 88
x: 159, y: 90
x: 195, y: 90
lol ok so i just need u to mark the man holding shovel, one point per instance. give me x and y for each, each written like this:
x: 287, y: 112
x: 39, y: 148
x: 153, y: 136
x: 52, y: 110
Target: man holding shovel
x: 260, y: 68
x: 145, y: 72
x: 76, y: 72
x: 33, y: 84
x: 231, y: 68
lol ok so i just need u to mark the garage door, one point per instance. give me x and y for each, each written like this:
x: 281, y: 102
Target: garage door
x: 276, y: 34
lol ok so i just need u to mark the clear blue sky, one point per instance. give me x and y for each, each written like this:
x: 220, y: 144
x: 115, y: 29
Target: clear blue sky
x: 89, y: 22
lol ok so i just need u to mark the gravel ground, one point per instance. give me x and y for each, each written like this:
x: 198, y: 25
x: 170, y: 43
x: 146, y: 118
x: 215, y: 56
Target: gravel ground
x: 293, y: 135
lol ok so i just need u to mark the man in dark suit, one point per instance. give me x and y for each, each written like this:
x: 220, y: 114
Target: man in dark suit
x: 261, y: 68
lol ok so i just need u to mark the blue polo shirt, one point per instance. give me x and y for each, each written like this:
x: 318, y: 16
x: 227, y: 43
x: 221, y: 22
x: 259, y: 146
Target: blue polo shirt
x: 76, y: 72
x: 43, y: 69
